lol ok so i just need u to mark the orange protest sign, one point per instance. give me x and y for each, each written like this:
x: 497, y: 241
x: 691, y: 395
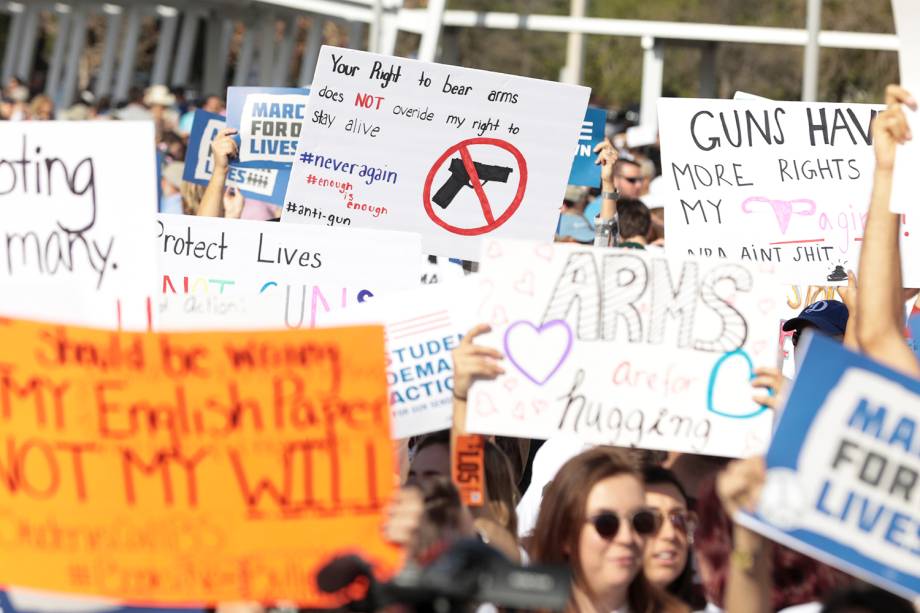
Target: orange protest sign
x: 190, y: 468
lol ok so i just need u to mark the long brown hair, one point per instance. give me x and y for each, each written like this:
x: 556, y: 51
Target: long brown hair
x: 562, y: 515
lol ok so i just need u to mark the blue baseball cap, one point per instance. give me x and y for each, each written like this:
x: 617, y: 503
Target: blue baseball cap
x: 828, y: 316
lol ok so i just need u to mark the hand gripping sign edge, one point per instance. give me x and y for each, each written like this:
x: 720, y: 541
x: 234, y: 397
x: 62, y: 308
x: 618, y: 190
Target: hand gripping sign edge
x: 477, y: 186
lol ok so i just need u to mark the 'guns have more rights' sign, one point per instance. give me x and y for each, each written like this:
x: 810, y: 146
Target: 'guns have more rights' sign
x: 451, y: 153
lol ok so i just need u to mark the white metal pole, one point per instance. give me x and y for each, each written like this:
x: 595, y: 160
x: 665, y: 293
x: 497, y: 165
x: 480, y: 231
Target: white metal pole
x: 428, y: 49
x: 285, y: 54
x: 128, y: 54
x: 56, y: 67
x: 27, y: 42
x: 266, y: 48
x: 311, y: 51
x: 74, y: 52
x: 13, y: 36
x: 811, y: 66
x: 652, y: 81
x: 109, y: 51
x: 166, y: 41
x: 244, y: 61
x: 575, y: 47
x: 187, y: 39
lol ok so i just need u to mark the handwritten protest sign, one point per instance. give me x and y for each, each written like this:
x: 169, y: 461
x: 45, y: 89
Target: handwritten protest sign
x: 190, y: 468
x: 74, y: 214
x: 584, y: 170
x: 904, y: 191
x: 423, y: 326
x: 269, y: 120
x: 219, y: 273
x: 625, y: 347
x: 452, y: 153
x: 267, y: 184
x: 781, y: 182
x: 842, y: 472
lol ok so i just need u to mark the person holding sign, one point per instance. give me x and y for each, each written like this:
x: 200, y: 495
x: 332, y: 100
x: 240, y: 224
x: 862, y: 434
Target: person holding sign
x: 218, y: 201
x: 880, y: 318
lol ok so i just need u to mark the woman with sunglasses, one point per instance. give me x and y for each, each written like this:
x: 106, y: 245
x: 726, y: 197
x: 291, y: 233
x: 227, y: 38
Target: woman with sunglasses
x: 593, y: 517
x: 668, y: 564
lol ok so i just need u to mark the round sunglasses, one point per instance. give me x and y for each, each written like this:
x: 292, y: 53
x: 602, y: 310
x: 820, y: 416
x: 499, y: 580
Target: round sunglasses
x: 644, y: 522
x: 683, y: 521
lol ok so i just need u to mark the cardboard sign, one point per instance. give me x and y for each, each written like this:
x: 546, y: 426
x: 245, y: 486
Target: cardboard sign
x: 257, y: 183
x: 452, y: 153
x: 786, y: 183
x: 219, y: 273
x: 842, y: 472
x: 584, y: 170
x: 906, y: 186
x: 270, y: 120
x: 191, y: 468
x: 423, y: 325
x: 74, y: 216
x: 625, y: 347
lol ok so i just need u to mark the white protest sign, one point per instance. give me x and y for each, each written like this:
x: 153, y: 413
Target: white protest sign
x: 452, y: 153
x: 781, y: 182
x: 625, y: 347
x: 269, y: 120
x: 75, y: 219
x: 219, y: 273
x: 906, y: 187
x: 422, y: 327
x: 842, y: 470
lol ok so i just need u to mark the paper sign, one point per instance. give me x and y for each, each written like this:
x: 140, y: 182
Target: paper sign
x: 241, y: 274
x: 257, y: 183
x: 786, y: 183
x: 842, y: 470
x: 625, y: 347
x: 74, y: 216
x: 270, y: 120
x: 904, y: 198
x: 423, y: 325
x: 191, y: 468
x: 451, y: 153
x: 584, y: 170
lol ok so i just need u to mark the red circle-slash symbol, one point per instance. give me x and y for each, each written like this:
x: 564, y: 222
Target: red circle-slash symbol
x: 463, y: 149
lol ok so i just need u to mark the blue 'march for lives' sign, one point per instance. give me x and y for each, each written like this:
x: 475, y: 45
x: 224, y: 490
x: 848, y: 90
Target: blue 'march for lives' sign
x: 843, y: 471
x: 267, y: 184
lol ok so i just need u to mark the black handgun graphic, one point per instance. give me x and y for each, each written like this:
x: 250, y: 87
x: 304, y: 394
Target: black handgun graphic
x: 459, y: 178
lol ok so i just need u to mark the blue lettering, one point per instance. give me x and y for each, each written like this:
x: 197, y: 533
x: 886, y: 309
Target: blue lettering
x: 820, y: 506
x: 868, y: 422
x: 903, y: 434
x: 895, y: 528
x: 260, y: 109
x: 867, y: 522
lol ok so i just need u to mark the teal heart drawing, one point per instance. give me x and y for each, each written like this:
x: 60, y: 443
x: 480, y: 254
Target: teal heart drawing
x: 713, y: 376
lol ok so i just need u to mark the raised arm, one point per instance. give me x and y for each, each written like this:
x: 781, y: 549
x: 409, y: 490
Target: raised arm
x: 879, y: 316
x: 223, y: 148
x: 471, y: 362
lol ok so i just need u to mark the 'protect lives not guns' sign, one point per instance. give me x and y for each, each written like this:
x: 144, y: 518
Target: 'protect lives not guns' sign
x: 451, y: 153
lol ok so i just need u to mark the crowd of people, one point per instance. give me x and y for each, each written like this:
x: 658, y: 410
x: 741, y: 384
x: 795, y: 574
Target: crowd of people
x: 641, y: 531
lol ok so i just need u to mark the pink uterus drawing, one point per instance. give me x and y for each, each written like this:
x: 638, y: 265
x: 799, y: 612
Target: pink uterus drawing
x: 783, y: 209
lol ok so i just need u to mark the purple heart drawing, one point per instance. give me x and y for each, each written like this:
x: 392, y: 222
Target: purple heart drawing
x: 538, y: 352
